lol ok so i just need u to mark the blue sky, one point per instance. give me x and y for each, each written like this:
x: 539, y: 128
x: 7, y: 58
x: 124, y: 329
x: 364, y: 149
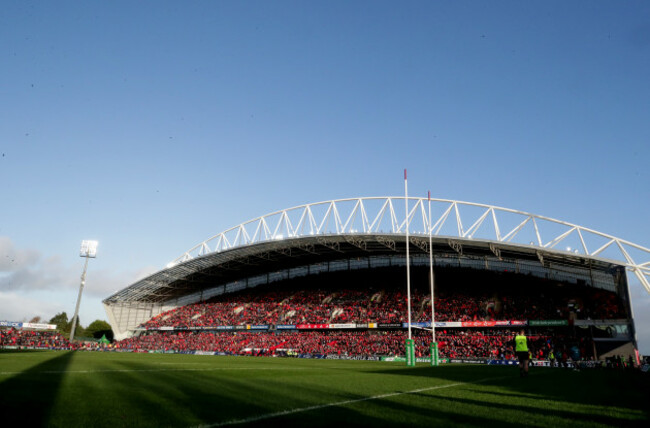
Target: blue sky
x: 152, y: 126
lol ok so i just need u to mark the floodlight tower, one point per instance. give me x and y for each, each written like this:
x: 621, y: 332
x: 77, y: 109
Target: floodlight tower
x: 88, y: 250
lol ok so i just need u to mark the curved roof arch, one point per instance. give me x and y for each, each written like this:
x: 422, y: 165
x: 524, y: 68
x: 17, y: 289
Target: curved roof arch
x: 438, y: 217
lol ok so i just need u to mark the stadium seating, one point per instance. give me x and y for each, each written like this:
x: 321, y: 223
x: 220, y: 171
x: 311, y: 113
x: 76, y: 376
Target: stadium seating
x: 384, y: 306
x: 473, y: 299
x: 34, y: 339
x: 461, y: 343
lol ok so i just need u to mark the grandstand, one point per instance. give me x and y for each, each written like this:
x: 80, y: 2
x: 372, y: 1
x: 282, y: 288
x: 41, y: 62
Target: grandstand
x: 328, y: 278
x: 19, y: 335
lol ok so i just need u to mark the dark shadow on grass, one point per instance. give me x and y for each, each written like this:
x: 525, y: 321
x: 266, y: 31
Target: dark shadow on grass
x: 452, y: 372
x: 400, y: 410
x: 27, y: 398
x: 186, y: 397
x: 533, y: 413
x: 181, y: 398
x: 160, y: 391
x: 172, y: 397
x: 175, y: 397
x: 620, y: 389
x: 236, y: 401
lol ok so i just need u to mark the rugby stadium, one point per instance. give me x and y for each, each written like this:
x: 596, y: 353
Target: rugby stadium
x: 325, y: 288
x: 337, y: 267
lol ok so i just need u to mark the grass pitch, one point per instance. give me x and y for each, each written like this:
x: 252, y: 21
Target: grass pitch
x: 75, y: 389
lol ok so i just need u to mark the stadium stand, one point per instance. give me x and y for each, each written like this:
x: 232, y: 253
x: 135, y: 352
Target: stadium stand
x: 464, y: 299
x: 487, y: 344
x: 387, y: 305
x: 13, y: 337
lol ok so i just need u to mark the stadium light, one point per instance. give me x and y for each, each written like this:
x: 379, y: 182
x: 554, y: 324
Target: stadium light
x: 89, y: 251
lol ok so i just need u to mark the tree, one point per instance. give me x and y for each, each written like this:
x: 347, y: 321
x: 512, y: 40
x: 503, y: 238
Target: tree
x: 63, y: 325
x: 35, y: 320
x: 61, y: 321
x: 98, y: 328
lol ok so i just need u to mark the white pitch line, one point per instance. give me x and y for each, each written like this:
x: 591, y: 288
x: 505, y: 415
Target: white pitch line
x: 150, y: 370
x: 338, y: 403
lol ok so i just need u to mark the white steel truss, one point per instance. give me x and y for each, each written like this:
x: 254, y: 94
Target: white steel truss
x: 448, y: 218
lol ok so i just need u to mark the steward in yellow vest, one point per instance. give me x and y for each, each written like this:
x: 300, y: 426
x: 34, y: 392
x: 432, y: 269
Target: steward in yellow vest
x: 521, y: 349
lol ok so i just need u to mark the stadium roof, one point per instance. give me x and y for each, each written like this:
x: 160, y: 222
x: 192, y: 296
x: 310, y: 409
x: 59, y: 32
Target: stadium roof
x: 357, y: 227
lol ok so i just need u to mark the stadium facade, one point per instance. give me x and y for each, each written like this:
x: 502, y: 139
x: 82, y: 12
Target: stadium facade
x: 370, y: 234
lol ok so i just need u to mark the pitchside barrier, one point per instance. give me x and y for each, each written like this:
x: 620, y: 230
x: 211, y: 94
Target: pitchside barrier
x: 400, y: 359
x: 35, y: 348
x: 383, y: 326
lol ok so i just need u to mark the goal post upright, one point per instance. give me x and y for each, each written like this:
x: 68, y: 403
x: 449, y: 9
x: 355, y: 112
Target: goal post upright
x: 410, y: 346
x: 434, y: 344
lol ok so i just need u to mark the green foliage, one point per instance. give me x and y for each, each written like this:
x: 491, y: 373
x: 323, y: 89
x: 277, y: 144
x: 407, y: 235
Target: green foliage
x: 64, y: 325
x: 98, y: 328
x: 61, y: 321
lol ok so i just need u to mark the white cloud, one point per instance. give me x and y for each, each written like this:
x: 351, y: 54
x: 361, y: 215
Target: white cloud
x: 16, y: 307
x: 28, y: 270
x: 34, y: 285
x: 12, y: 259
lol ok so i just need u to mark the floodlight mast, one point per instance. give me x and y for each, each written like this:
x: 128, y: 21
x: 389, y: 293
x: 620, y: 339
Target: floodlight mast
x: 88, y: 250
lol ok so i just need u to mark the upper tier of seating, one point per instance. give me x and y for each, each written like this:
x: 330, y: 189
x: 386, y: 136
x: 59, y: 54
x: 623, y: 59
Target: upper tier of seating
x: 388, y: 304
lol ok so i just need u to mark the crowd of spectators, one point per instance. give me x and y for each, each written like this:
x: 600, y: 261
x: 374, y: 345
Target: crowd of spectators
x: 456, y: 343
x: 239, y: 343
x: 453, y: 343
x: 383, y: 301
x: 382, y: 306
x: 34, y: 339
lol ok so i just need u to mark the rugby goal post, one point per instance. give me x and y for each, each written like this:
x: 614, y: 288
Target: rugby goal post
x: 433, y: 349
